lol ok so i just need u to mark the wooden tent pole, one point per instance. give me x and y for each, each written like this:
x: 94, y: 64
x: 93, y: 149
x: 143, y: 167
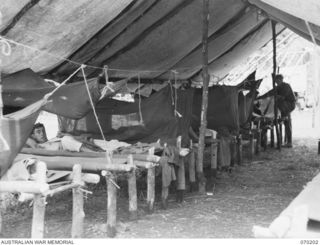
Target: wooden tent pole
x: 204, y: 107
x: 274, y: 40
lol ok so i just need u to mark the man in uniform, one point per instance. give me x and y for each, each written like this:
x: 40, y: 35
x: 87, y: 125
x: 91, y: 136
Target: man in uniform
x: 286, y: 103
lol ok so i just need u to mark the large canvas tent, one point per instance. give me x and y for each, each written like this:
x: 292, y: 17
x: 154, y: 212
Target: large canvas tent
x: 145, y: 37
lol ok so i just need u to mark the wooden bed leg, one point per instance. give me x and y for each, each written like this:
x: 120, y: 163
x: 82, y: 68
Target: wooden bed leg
x: 39, y: 205
x: 258, y: 145
x: 272, y: 137
x: 233, y: 150
x: 151, y: 189
x: 112, y: 206
x: 239, y: 149
x: 181, y: 174
x: 280, y: 132
x: 164, y: 190
x: 191, y: 165
x: 251, y: 145
x: 181, y: 180
x: 164, y: 197
x: 214, y: 159
x: 264, y: 139
x: 200, y: 177
x: 77, y: 205
x: 132, y: 192
x: 151, y: 183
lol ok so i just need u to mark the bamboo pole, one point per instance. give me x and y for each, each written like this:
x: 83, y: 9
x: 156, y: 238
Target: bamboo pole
x: 274, y: 42
x: 151, y: 185
x: 191, y: 165
x: 24, y: 186
x: 146, y: 165
x: 138, y: 157
x: 132, y: 192
x: 62, y: 188
x: 39, y: 204
x: 92, y: 165
x: 77, y: 205
x: 204, y: 107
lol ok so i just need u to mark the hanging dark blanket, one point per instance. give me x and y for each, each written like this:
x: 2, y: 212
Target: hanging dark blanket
x: 246, y: 107
x: 15, y: 129
x: 222, y: 108
x: 26, y: 87
x: 121, y: 120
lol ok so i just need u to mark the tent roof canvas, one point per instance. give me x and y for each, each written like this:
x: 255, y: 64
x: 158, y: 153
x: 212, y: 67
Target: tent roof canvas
x: 146, y: 37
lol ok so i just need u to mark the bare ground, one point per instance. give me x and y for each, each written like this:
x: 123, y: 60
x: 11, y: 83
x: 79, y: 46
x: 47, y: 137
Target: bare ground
x: 252, y: 194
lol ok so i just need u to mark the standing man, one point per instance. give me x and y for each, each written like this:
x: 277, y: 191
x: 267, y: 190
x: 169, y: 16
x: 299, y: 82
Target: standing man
x: 286, y: 103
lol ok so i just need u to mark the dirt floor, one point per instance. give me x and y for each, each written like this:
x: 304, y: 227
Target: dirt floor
x: 252, y: 194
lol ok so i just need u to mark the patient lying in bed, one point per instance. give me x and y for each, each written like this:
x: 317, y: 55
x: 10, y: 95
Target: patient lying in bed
x: 38, y: 139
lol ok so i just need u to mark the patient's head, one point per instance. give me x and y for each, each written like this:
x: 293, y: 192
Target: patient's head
x: 39, y: 133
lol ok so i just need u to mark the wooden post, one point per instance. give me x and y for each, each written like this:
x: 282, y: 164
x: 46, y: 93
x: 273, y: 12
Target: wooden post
x: 258, y: 143
x: 151, y: 185
x: 239, y: 149
x: 164, y: 189
x: 280, y: 132
x: 233, y: 150
x: 112, y: 204
x: 214, y: 156
x: 274, y: 40
x: 181, y: 174
x: 251, y: 145
x: 191, y: 165
x: 264, y: 140
x: 77, y: 205
x: 204, y: 107
x: 39, y: 204
x: 132, y: 191
x: 272, y: 137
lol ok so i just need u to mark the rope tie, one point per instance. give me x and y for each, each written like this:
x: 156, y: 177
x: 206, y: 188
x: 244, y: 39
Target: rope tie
x: 172, y: 99
x: 108, y: 84
x: 5, y: 46
x: 46, y: 97
x: 93, y: 108
x: 176, y: 113
x: 109, y: 176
